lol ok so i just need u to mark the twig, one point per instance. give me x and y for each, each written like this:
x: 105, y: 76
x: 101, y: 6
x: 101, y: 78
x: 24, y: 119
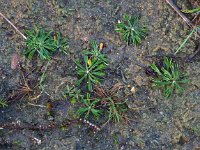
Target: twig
x: 171, y: 3
x: 42, y: 106
x: 13, y: 26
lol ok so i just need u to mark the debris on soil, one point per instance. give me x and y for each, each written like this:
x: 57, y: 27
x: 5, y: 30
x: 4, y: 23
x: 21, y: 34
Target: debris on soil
x: 39, y: 116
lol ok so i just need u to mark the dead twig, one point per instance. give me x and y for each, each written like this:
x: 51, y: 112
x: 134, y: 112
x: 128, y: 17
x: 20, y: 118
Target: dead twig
x: 171, y: 3
x: 13, y: 26
x: 42, y: 106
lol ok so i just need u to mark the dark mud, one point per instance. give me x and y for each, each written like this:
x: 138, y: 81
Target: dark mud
x: 154, y: 124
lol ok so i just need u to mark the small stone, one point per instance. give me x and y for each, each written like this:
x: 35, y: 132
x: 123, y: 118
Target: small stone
x: 139, y: 80
x: 15, y: 61
x: 144, y: 115
x: 133, y: 90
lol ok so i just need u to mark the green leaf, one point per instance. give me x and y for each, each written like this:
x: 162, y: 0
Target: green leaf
x: 195, y: 10
x: 155, y: 68
x: 188, y: 37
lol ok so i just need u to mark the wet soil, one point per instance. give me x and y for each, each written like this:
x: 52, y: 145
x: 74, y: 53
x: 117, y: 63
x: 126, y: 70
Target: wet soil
x: 154, y: 122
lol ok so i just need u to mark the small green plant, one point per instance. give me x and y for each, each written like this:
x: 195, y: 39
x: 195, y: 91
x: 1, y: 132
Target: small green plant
x: 131, y: 29
x: 95, y: 53
x: 113, y: 104
x: 3, y: 103
x: 39, y: 42
x: 43, y: 43
x: 90, y: 107
x: 73, y: 93
x: 116, y: 110
x: 169, y: 77
x: 92, y: 71
x: 94, y: 67
x: 61, y: 43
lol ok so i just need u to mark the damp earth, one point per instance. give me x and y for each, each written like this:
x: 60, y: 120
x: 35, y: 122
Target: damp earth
x: 154, y: 123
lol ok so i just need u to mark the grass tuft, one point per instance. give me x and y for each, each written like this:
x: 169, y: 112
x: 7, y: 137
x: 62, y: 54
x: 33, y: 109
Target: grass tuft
x: 169, y: 77
x: 131, y: 29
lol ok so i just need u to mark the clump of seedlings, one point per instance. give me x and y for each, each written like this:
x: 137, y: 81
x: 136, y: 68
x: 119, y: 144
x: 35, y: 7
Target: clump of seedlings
x: 168, y: 77
x: 131, y: 29
x: 98, y: 101
x: 114, y: 106
x: 43, y: 43
x: 24, y: 89
x: 103, y: 102
x: 93, y: 69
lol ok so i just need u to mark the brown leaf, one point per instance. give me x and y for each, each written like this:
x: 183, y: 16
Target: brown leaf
x: 15, y: 61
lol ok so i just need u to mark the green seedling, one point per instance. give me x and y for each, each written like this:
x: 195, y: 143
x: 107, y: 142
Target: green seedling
x: 3, y: 103
x: 40, y: 42
x: 61, y: 43
x: 92, y: 71
x: 169, y: 77
x: 131, y: 29
x: 95, y: 53
x: 73, y: 93
x: 90, y: 107
x: 94, y: 66
x: 116, y: 110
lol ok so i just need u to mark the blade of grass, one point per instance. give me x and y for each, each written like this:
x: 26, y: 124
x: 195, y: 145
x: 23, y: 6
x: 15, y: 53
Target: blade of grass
x: 184, y: 42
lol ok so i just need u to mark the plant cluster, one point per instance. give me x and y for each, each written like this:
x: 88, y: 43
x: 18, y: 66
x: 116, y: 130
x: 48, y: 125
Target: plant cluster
x: 107, y: 104
x: 92, y: 72
x: 40, y: 42
x: 169, y: 77
x: 113, y: 110
x: 131, y: 29
x: 114, y: 104
x: 93, y: 69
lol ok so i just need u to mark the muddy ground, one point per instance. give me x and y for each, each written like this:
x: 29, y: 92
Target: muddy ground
x: 154, y: 122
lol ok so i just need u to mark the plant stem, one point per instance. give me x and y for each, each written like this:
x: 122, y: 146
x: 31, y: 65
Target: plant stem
x: 13, y: 26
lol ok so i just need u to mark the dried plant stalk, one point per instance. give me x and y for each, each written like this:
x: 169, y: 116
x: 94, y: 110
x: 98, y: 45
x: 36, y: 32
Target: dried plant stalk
x: 13, y: 26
